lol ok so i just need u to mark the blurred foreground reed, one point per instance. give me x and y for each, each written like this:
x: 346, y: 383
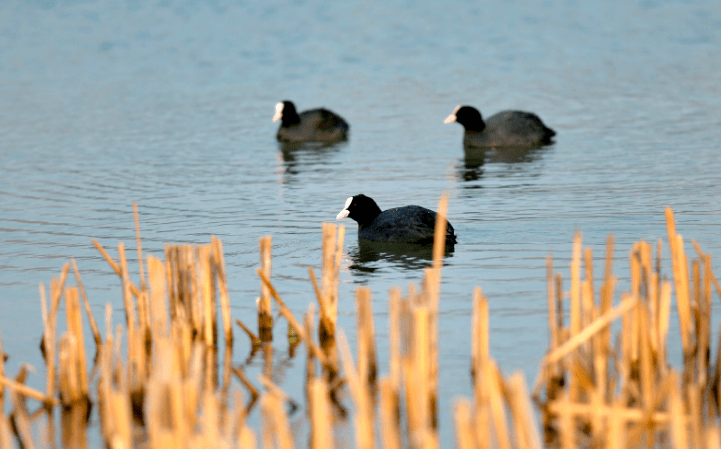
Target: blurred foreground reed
x: 157, y: 379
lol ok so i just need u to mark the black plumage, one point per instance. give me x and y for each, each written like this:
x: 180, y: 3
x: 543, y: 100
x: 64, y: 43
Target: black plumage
x: 407, y: 224
x: 314, y: 125
x: 506, y: 128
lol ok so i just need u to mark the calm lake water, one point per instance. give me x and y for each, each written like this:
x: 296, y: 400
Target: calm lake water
x: 169, y: 104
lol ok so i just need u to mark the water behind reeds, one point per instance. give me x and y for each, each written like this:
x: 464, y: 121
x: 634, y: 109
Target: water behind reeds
x: 169, y: 105
x: 169, y: 386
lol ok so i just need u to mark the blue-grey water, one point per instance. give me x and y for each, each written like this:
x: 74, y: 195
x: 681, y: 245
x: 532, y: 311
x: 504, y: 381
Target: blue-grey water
x: 169, y: 104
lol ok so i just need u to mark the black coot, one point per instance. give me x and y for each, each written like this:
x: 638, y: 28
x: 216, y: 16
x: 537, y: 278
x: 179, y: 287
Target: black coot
x: 507, y: 128
x: 314, y: 125
x: 408, y: 224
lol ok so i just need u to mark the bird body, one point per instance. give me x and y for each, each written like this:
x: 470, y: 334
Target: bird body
x: 407, y: 224
x: 314, y: 125
x: 506, y: 128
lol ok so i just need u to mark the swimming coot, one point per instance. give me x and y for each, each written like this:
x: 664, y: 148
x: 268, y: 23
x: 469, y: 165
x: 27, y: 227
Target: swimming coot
x: 507, y: 128
x: 407, y: 224
x: 315, y: 125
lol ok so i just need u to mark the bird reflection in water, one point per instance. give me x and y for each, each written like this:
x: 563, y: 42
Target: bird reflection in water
x: 299, y: 155
x: 406, y: 256
x: 472, y: 168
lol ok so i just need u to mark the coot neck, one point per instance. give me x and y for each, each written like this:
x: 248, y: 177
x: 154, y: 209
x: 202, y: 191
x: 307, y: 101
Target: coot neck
x: 476, y: 127
x: 290, y: 118
x: 369, y: 216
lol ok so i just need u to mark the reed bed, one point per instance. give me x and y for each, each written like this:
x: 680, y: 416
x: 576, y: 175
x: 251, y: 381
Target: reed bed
x: 157, y: 379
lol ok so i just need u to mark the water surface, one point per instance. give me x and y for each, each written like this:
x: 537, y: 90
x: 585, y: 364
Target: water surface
x: 169, y: 104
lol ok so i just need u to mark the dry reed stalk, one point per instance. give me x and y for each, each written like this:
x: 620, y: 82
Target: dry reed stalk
x: 275, y: 418
x: 646, y: 371
x: 73, y: 425
x: 68, y: 370
x: 227, y: 374
x: 104, y: 377
x: 635, y: 319
x: 551, y: 297
x: 112, y: 413
x: 367, y: 365
x: 462, y: 418
x: 20, y: 418
x: 480, y: 342
x: 127, y: 298
x: 525, y: 430
x: 394, y: 337
x: 431, y: 293
x: 332, y: 251
x: 5, y: 431
x: 575, y: 306
x: 158, y: 297
x: 26, y: 391
x: 492, y: 376
x: 265, y: 317
x: 713, y: 437
x: 678, y: 263
x: 418, y: 401
x: 627, y: 303
x: 615, y: 437
x: 171, y: 273
x: 589, y: 313
x: 565, y: 421
x: 57, y: 288
x: 663, y: 321
x: 137, y: 361
x: 679, y: 431
x: 219, y: 264
x: 268, y: 359
x: 364, y: 431
x: 207, y: 303
x: 49, y: 345
x: 590, y: 303
x: 321, y: 419
x: 254, y: 340
x: 243, y: 434
x: 244, y: 380
x: 144, y: 323
x: 439, y: 238
x: 704, y: 327
x: 189, y: 300
x: 575, y: 317
x: 276, y: 391
x: 602, y: 342
x: 2, y: 354
x: 309, y: 359
x: 140, y: 248
x: 88, y: 311
x: 289, y: 316
x: 388, y: 411
x: 712, y: 278
x: 695, y: 407
x: 75, y: 327
x: 627, y: 414
x: 561, y: 333
x: 116, y: 268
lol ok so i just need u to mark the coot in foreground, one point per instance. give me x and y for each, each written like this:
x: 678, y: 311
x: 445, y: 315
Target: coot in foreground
x: 507, y: 128
x: 314, y: 125
x: 407, y: 224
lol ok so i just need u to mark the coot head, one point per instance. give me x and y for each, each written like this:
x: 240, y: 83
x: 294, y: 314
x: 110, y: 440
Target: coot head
x: 286, y: 111
x: 405, y: 224
x: 504, y: 129
x: 313, y: 125
x: 468, y: 116
x: 360, y: 208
